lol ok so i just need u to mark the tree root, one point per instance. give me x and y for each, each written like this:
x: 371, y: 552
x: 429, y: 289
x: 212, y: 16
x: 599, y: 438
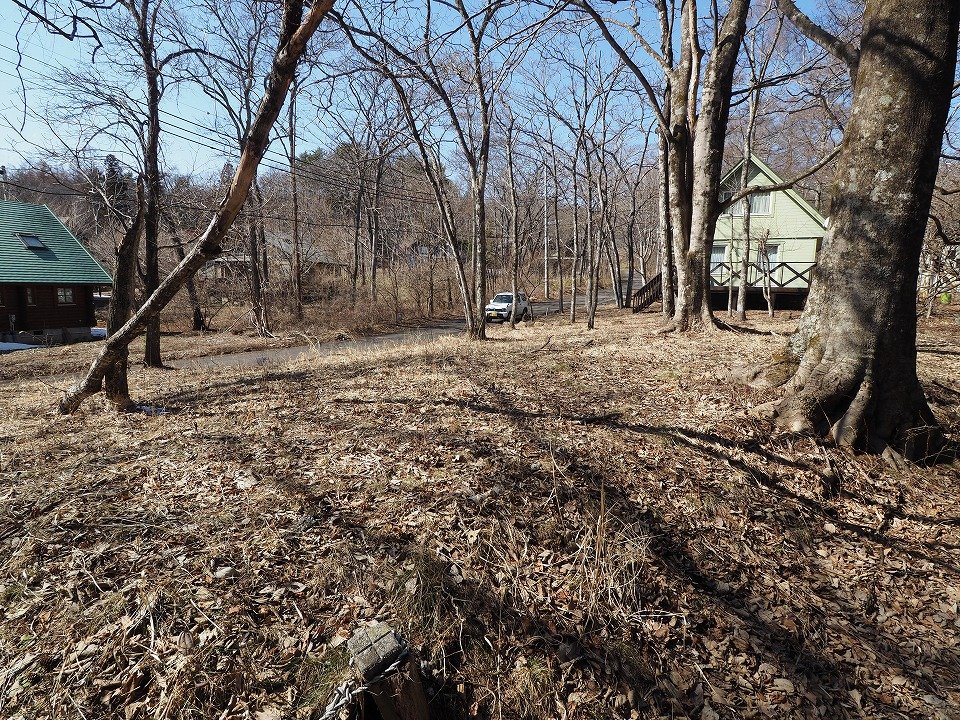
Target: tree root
x: 913, y: 439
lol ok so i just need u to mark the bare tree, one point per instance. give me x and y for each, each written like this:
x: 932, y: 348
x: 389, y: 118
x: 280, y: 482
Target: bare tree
x: 692, y: 112
x: 133, y: 35
x: 226, y: 68
x: 464, y: 65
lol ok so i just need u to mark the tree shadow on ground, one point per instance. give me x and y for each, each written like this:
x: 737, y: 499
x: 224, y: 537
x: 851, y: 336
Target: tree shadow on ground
x: 797, y: 651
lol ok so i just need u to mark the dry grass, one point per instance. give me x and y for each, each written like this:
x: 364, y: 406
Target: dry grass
x: 587, y: 527
x: 66, y: 360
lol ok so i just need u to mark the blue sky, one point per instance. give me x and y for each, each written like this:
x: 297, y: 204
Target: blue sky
x: 187, y: 112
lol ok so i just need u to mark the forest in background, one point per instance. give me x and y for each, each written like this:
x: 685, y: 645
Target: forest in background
x: 352, y: 226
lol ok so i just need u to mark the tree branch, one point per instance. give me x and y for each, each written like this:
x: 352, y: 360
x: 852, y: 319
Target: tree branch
x: 834, y: 45
x: 785, y: 185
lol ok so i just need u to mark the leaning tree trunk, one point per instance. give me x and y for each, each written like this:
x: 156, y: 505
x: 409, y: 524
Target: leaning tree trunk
x: 855, y: 377
x: 294, y: 36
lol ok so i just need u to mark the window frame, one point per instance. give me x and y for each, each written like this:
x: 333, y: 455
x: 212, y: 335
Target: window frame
x: 736, y: 210
x: 65, y: 291
x: 31, y: 241
x: 777, y: 247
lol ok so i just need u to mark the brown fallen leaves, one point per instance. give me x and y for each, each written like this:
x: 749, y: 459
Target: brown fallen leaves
x: 587, y: 527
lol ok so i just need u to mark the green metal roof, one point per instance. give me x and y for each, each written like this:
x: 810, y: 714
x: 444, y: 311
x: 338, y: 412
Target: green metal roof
x: 62, y: 259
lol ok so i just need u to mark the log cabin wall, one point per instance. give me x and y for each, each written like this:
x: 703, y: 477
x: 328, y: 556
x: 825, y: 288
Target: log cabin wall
x: 36, y: 308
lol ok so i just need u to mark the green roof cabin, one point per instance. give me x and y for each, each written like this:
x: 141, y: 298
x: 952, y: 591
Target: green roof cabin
x: 783, y: 224
x: 47, y: 278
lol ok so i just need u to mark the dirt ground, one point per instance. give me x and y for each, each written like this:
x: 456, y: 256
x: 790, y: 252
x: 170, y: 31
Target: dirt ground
x: 565, y: 524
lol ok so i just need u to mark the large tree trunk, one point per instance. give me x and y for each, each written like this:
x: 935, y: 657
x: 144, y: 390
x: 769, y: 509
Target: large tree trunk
x: 693, y: 309
x: 855, y: 377
x: 294, y: 36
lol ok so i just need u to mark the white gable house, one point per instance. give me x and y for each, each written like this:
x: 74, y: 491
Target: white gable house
x: 784, y: 228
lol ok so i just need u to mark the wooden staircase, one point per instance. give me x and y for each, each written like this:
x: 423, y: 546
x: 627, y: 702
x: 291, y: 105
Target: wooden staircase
x: 647, y: 295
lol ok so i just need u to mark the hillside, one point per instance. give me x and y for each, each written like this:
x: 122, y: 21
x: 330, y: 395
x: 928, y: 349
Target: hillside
x: 565, y: 524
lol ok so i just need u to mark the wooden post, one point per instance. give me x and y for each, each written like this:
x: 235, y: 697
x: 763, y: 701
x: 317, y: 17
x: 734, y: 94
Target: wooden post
x: 376, y: 648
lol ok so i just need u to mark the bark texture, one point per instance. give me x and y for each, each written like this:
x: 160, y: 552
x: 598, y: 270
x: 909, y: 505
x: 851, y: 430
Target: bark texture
x: 855, y: 352
x: 121, y: 304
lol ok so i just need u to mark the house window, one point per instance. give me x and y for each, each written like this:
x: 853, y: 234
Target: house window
x: 64, y: 296
x: 31, y: 241
x: 773, y: 256
x: 718, y: 255
x: 30, y: 299
x: 759, y: 205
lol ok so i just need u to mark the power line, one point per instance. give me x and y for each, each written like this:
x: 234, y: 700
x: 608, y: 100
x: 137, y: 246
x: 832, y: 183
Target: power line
x: 22, y: 54
x: 313, y: 174
x: 182, y: 206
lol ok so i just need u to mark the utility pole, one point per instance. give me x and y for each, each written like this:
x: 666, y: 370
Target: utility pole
x: 546, y: 240
x: 3, y: 179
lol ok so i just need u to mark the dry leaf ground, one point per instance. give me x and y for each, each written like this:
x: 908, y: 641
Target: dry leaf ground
x: 567, y: 525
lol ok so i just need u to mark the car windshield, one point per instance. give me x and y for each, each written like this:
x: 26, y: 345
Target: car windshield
x: 503, y: 298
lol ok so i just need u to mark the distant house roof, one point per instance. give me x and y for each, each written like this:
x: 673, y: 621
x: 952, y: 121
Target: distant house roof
x: 35, y: 247
x: 310, y: 254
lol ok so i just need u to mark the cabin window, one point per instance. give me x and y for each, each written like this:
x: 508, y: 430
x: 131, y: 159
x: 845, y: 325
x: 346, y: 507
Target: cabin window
x: 64, y: 296
x: 30, y: 298
x: 718, y: 255
x: 31, y: 241
x: 759, y: 205
x: 773, y: 254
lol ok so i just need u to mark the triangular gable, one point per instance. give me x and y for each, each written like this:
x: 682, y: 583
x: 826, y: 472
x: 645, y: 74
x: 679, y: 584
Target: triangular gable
x: 775, y: 179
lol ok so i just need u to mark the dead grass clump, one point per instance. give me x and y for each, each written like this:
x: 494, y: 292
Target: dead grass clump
x: 316, y: 679
x: 531, y: 689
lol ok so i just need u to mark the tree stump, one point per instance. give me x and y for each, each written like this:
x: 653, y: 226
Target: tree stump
x: 374, y: 650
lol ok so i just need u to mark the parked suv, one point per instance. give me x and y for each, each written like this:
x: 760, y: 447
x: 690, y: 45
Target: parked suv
x: 499, y: 309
